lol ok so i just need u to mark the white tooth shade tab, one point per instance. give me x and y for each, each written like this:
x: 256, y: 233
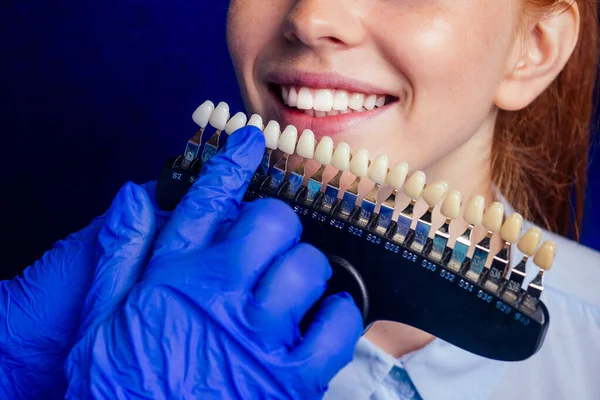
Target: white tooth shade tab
x: 305, y: 99
x: 340, y: 100
x: 257, y: 121
x: 414, y: 186
x: 324, y: 152
x: 341, y: 157
x: 474, y: 210
x: 493, y: 217
x: 379, y: 169
x: 530, y: 241
x: 359, y: 165
x: 202, y: 114
x: 370, y: 102
x: 451, y: 205
x: 356, y: 101
x: 236, y: 122
x: 511, y: 229
x: 288, y: 139
x: 397, y: 176
x: 434, y: 193
x: 219, y: 117
x: 544, y: 258
x: 306, y: 144
x: 271, y: 133
x: 323, y: 100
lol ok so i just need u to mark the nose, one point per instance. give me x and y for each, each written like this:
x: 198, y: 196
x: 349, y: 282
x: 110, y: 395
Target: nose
x: 322, y: 24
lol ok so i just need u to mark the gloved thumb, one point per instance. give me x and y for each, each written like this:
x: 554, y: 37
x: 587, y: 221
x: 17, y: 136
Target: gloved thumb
x: 123, y: 248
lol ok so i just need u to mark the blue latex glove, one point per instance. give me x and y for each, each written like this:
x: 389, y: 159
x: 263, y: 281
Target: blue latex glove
x: 216, y: 313
x: 40, y: 311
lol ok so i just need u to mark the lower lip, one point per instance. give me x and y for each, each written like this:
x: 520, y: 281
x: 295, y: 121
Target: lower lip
x: 322, y: 126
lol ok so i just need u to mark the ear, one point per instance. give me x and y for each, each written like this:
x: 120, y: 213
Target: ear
x: 539, y: 55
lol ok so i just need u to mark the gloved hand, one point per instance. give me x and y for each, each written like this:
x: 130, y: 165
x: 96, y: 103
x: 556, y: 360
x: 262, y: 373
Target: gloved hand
x: 40, y: 311
x: 216, y: 313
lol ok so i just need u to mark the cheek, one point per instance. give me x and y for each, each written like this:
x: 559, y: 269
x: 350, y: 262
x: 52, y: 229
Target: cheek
x: 454, y: 62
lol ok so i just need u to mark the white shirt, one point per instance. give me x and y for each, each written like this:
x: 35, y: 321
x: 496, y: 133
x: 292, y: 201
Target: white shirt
x: 566, y: 367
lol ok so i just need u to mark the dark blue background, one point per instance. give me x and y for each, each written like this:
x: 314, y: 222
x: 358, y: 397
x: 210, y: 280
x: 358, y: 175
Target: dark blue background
x: 93, y: 94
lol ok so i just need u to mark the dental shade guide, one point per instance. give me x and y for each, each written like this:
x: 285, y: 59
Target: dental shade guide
x: 398, y: 268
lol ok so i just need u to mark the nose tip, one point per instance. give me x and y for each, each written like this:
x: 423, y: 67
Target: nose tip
x: 324, y: 23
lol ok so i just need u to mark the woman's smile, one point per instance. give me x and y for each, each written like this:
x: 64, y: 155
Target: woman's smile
x: 325, y: 103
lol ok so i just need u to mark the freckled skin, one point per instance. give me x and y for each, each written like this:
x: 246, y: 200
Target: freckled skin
x: 444, y: 59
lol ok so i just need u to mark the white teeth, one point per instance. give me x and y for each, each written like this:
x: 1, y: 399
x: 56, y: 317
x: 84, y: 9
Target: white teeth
x: 257, y: 121
x: 320, y: 114
x: 203, y: 113
x: 333, y: 113
x: 306, y: 144
x: 323, y: 100
x: 305, y: 99
x: 292, y: 99
x: 285, y: 93
x: 341, y: 157
x: 287, y: 140
x: 370, y: 102
x: 271, y: 133
x: 330, y: 100
x: 324, y: 151
x: 340, y: 100
x: 310, y: 113
x: 220, y: 116
x: 236, y: 122
x: 356, y: 101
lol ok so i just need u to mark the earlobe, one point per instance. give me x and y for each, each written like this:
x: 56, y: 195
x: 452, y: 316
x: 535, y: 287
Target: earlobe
x: 541, y: 54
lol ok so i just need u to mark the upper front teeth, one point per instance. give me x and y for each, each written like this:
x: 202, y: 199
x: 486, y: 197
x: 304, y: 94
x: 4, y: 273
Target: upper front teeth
x: 328, y: 100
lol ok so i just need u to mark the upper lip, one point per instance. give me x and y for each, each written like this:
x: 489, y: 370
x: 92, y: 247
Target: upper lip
x: 323, y: 81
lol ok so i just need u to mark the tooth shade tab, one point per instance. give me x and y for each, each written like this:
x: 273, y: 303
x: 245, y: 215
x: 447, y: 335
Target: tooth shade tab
x: 414, y: 186
x: 474, y: 211
x: 324, y: 151
x: 306, y: 144
x: 545, y: 255
x: 379, y: 169
x: 219, y: 117
x: 305, y: 99
x: 493, y: 217
x: 288, y: 139
x: 236, y: 122
x: 451, y: 205
x: 356, y: 101
x: 202, y: 114
x: 341, y: 157
x: 323, y: 100
x: 340, y: 100
x: 359, y: 165
x: 530, y: 241
x: 271, y: 133
x: 396, y: 177
x: 257, y: 121
x: 511, y: 229
x: 434, y: 193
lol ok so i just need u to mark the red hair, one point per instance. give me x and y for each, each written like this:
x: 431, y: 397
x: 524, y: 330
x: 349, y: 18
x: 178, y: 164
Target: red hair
x: 540, y: 153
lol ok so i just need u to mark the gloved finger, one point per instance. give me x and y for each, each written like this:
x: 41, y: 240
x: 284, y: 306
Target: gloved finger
x: 330, y: 340
x: 215, y: 197
x: 287, y: 290
x: 122, y: 251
